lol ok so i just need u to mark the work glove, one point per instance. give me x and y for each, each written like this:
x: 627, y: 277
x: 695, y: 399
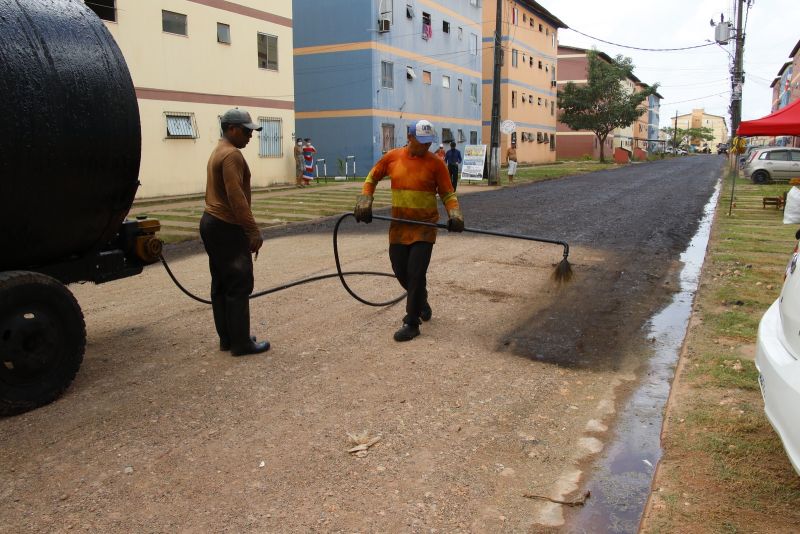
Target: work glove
x: 363, y: 210
x: 455, y: 223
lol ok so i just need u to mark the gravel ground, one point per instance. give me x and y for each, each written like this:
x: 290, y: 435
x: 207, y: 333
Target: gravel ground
x: 161, y: 432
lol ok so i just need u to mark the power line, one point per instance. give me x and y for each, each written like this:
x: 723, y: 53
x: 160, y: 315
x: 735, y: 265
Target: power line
x: 640, y: 48
x: 694, y: 99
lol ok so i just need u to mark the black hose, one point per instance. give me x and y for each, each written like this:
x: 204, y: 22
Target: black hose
x: 341, y: 274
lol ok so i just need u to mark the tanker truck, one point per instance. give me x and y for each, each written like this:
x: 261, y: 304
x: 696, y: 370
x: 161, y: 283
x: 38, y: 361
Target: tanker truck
x: 70, y: 147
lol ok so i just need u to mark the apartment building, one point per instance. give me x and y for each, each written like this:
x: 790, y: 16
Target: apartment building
x: 365, y: 69
x: 786, y: 85
x: 698, y: 118
x: 528, y: 77
x: 191, y: 60
x: 654, y: 143
x: 573, y: 66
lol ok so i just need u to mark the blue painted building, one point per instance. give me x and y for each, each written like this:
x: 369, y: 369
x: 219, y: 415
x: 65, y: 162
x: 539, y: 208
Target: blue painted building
x: 365, y: 69
x: 653, y: 122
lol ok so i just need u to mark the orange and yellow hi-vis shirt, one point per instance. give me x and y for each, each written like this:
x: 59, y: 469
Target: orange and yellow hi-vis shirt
x: 415, y: 183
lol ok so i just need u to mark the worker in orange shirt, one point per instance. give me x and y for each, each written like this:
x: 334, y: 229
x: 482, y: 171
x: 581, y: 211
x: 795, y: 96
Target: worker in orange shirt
x: 417, y: 176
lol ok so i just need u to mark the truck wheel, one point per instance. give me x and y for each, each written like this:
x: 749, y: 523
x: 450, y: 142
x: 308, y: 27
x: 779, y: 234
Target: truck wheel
x: 760, y: 177
x: 42, y: 339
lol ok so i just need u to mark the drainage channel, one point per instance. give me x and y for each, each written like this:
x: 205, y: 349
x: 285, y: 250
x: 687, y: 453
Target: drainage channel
x: 620, y: 481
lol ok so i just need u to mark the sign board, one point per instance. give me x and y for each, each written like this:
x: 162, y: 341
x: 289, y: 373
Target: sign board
x: 474, y: 159
x: 507, y: 126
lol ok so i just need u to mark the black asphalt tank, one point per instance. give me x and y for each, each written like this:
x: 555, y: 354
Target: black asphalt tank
x: 70, y: 138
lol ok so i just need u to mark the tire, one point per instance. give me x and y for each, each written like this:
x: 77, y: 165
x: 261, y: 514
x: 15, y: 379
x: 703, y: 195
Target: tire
x: 760, y: 177
x: 42, y: 340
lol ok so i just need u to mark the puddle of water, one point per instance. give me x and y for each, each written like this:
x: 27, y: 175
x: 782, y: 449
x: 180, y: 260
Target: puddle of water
x: 620, y: 482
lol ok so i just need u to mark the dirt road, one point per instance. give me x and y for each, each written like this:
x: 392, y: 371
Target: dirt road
x: 510, y: 389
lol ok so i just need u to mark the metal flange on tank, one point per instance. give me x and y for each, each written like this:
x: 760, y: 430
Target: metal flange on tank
x: 69, y: 165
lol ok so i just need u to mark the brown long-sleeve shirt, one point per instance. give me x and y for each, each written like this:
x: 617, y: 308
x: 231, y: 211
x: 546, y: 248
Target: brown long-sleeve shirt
x: 228, y: 188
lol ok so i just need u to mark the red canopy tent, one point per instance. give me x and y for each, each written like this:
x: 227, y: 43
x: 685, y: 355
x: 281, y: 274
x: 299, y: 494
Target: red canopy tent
x: 785, y: 121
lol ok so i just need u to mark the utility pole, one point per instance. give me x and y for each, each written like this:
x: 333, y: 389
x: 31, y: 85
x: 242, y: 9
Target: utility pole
x: 494, y: 153
x: 675, y: 134
x: 737, y: 78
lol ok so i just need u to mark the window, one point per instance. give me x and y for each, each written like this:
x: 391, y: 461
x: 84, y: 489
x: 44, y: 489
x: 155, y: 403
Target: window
x: 387, y: 74
x: 426, y: 77
x: 409, y: 11
x: 778, y: 155
x: 524, y: 17
x: 386, y: 11
x: 473, y: 44
x: 387, y: 137
x: 223, y: 33
x: 459, y: 84
x: 427, y: 30
x: 473, y: 3
x: 473, y: 137
x: 180, y: 125
x: 540, y: 27
x: 473, y: 92
x: 445, y: 26
x: 795, y: 155
x: 461, y: 137
x: 446, y: 82
x: 513, y: 99
x: 173, y: 22
x: 460, y: 33
x: 447, y: 135
x: 105, y: 9
x: 271, y: 137
x: 267, y: 51
x: 514, y: 16
x: 540, y: 65
x: 410, y: 74
x: 553, y: 40
x: 546, y: 31
x: 552, y: 142
x: 532, y: 24
x: 531, y: 61
x: 514, y: 58
x: 539, y: 101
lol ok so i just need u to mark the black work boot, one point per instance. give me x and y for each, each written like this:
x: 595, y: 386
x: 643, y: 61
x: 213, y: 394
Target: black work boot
x: 225, y: 344
x: 408, y: 332
x: 242, y: 343
x: 426, y: 313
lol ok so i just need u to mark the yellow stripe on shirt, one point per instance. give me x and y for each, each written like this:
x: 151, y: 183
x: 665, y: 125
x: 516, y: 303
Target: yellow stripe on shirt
x: 406, y: 198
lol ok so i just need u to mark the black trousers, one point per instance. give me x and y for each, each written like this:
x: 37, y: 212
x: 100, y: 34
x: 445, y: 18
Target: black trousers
x: 453, y: 168
x: 232, y: 282
x: 410, y: 266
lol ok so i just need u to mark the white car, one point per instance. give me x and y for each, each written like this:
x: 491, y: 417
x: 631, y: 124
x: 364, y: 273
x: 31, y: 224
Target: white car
x: 778, y: 362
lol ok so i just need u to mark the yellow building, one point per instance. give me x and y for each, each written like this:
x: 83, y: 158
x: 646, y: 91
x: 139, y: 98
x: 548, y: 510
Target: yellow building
x: 698, y: 118
x: 191, y: 60
x: 528, y: 88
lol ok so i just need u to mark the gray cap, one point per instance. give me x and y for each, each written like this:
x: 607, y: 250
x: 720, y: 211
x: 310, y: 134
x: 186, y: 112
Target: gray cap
x: 239, y: 116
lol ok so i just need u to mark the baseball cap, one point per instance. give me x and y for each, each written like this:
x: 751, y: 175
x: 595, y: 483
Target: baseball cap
x: 422, y: 130
x: 239, y: 116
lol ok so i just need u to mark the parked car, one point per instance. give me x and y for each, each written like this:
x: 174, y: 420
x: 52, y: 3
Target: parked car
x: 745, y: 156
x: 669, y: 150
x: 681, y: 152
x: 773, y: 164
x: 778, y: 361
x: 722, y: 148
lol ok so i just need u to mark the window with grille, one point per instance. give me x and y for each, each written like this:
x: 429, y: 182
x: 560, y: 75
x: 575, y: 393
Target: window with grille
x: 461, y: 137
x: 387, y: 74
x: 473, y: 44
x: 387, y: 136
x: 473, y: 92
x: 514, y: 58
x: 387, y: 11
x: 172, y: 22
x: 267, y: 51
x: 447, y: 135
x: 459, y: 84
x: 223, y: 33
x: 105, y: 9
x: 271, y: 137
x: 473, y: 137
x: 180, y: 125
x: 446, y: 82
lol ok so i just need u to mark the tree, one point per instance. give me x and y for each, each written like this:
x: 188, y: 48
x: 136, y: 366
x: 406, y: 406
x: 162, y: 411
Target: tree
x: 603, y: 103
x: 681, y: 136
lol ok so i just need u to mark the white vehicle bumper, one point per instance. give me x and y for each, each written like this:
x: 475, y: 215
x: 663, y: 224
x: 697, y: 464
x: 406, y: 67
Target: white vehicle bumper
x: 779, y: 379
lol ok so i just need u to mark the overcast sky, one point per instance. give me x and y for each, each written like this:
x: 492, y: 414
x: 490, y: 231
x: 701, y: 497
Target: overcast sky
x: 773, y: 29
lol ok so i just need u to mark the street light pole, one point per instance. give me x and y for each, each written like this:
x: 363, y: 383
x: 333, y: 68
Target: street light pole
x: 494, y: 154
x: 737, y: 78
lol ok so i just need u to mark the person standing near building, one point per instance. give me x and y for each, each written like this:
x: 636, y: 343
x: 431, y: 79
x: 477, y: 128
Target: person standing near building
x: 452, y: 159
x: 230, y: 234
x: 299, y: 163
x: 417, y: 176
x: 308, y: 156
x: 440, y: 152
x: 511, y: 161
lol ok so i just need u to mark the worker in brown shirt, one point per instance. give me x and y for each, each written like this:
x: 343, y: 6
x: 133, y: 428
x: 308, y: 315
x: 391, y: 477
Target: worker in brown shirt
x: 230, y: 234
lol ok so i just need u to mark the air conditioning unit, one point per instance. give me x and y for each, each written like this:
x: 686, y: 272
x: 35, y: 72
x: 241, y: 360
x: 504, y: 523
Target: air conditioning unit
x: 384, y: 25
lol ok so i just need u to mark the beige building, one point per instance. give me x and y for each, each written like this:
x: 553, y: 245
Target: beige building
x: 698, y: 118
x: 190, y: 61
